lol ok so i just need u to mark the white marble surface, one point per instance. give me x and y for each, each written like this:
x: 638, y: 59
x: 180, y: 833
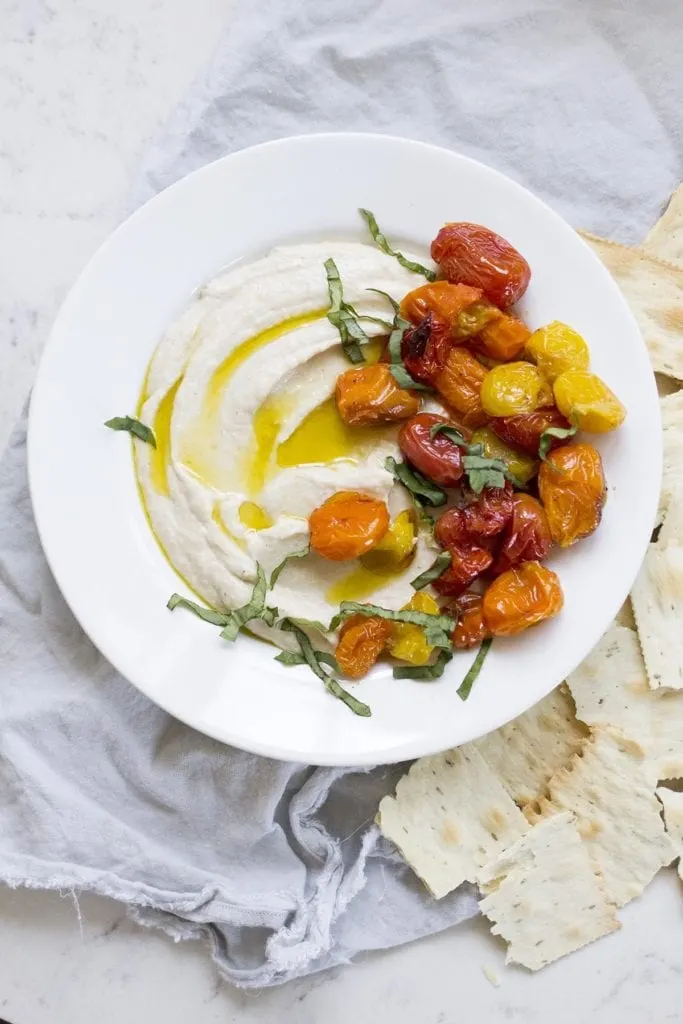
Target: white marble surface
x: 83, y: 86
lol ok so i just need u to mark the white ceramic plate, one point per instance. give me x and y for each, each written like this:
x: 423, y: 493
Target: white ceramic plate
x: 90, y: 519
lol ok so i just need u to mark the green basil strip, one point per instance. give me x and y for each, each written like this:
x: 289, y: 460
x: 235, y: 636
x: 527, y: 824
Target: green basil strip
x: 451, y: 433
x: 404, y: 379
x: 381, y: 242
x: 475, y: 668
x: 482, y: 472
x: 396, y: 365
x: 275, y: 574
x: 295, y: 658
x: 434, y: 671
x: 309, y: 624
x: 270, y: 616
x: 343, y: 317
x: 437, y: 628
x: 133, y: 426
x: 436, y: 569
x: 419, y: 486
x: 313, y: 660
x: 547, y: 436
x: 385, y: 295
x: 253, y: 609
x: 207, y: 614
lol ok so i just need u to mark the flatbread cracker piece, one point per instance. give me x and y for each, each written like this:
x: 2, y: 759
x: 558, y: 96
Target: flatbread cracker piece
x: 665, y: 239
x: 610, y: 688
x: 610, y: 792
x: 657, y: 600
x: 450, y: 815
x: 654, y: 291
x: 672, y: 803
x: 543, y: 896
x: 672, y: 436
x: 525, y: 753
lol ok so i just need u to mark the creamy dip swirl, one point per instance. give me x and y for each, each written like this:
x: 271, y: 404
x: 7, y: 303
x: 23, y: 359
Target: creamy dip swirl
x: 240, y: 394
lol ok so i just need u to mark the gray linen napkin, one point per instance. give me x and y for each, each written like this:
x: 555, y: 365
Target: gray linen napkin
x: 279, y: 865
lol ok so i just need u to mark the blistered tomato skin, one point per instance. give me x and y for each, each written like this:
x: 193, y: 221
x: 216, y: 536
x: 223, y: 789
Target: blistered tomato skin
x: 396, y: 548
x: 406, y: 641
x: 474, y: 319
x: 556, y: 348
x: 475, y: 255
x: 587, y: 401
x: 445, y: 301
x: 520, y: 598
x: 425, y: 348
x: 527, y: 537
x: 437, y: 457
x: 503, y: 339
x: 468, y: 560
x: 525, y: 431
x: 347, y: 525
x: 520, y: 463
x: 486, y: 515
x: 512, y: 389
x: 459, y: 383
x: 361, y: 641
x: 571, y: 485
x: 370, y: 394
x: 471, y: 628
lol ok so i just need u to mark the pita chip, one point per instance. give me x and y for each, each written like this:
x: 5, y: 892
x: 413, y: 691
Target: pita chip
x: 449, y: 816
x: 543, y: 896
x: 610, y: 688
x: 610, y: 792
x: 665, y: 239
x: 672, y: 435
x: 672, y: 802
x: 653, y: 289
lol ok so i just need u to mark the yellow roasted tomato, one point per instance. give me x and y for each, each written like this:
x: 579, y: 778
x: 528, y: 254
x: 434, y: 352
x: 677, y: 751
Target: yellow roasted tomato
x: 512, y: 389
x: 586, y: 400
x: 520, y: 463
x: 396, y: 547
x: 406, y: 641
x: 557, y: 348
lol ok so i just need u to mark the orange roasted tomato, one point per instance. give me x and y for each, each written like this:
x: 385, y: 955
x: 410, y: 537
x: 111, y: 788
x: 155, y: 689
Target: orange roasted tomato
x: 503, y: 339
x: 571, y: 484
x: 445, y: 301
x: 525, y: 431
x: 475, y: 255
x: 437, y: 457
x: 468, y: 560
x: 361, y: 641
x: 347, y: 525
x: 485, y: 516
x: 424, y: 348
x: 521, y: 597
x: 471, y: 628
x: 459, y: 382
x: 369, y: 394
x: 527, y: 535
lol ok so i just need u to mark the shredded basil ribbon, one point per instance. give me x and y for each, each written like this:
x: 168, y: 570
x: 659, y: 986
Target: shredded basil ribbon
x: 206, y: 614
x: 546, y: 437
x: 466, y: 685
x: 451, y: 433
x: 436, y: 569
x: 314, y: 661
x: 381, y: 242
x: 291, y: 658
x: 437, y: 628
x: 133, y: 426
x: 255, y: 608
x: 419, y: 486
x: 396, y: 365
x: 344, y: 317
x: 275, y: 574
x: 433, y: 671
x: 481, y: 471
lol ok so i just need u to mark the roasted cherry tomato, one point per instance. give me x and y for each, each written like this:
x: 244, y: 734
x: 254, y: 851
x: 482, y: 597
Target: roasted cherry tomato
x: 571, y: 483
x: 445, y: 301
x: 525, y: 431
x: 486, y: 515
x: 369, y: 394
x: 471, y: 628
x: 437, y: 457
x: 520, y: 598
x: 468, y: 561
x: 503, y: 339
x: 361, y: 641
x: 474, y: 319
x: 527, y: 535
x: 406, y: 641
x: 395, y: 550
x: 475, y: 255
x: 424, y: 348
x: 518, y: 462
x: 460, y: 382
x: 347, y: 525
x: 588, y: 402
x: 514, y: 388
x: 557, y: 348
